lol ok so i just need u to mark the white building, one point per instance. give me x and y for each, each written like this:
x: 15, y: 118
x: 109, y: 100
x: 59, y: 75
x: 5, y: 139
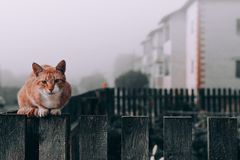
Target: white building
x: 152, y: 57
x: 164, y: 52
x: 197, y: 46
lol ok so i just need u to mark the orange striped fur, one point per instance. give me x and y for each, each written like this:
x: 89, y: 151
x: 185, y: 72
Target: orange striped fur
x: 45, y: 92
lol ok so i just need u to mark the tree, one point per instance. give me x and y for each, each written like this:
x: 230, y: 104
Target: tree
x: 92, y: 82
x: 132, y: 79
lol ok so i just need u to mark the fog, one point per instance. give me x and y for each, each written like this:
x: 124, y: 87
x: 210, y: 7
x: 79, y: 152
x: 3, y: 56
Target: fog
x: 88, y: 34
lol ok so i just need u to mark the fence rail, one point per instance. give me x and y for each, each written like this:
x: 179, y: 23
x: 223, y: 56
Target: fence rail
x: 50, y: 138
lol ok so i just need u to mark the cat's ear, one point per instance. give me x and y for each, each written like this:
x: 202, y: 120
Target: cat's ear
x: 36, y: 68
x: 61, y: 66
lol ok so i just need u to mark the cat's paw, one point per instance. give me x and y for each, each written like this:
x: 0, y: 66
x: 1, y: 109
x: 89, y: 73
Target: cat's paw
x: 29, y: 111
x: 42, y: 112
x: 55, y: 112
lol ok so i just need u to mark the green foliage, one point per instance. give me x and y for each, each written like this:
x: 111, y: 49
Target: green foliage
x: 132, y: 79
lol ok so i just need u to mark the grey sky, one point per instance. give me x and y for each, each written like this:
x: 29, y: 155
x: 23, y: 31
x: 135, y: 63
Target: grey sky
x: 88, y: 34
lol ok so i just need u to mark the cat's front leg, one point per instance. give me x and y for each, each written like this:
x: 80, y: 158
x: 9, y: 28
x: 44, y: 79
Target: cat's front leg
x: 29, y: 111
x: 55, y: 112
x: 42, y: 112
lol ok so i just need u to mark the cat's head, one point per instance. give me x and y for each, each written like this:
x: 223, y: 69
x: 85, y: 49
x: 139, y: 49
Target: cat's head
x: 50, y: 80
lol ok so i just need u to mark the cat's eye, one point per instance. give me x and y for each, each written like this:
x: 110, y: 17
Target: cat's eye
x: 57, y: 80
x: 44, y: 82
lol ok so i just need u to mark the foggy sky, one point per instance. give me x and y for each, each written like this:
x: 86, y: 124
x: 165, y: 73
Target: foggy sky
x: 88, y: 34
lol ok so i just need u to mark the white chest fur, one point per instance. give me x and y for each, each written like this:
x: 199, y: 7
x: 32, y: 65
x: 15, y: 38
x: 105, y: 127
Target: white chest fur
x: 51, y: 101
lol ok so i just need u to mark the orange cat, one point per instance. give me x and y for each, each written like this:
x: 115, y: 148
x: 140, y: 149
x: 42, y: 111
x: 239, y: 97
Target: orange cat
x: 45, y: 92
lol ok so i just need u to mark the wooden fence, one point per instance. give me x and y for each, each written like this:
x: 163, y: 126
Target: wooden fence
x: 155, y: 102
x: 53, y: 138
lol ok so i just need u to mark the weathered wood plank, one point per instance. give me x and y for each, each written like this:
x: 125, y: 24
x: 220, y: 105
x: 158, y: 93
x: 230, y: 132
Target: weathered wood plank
x: 214, y: 106
x: 166, y: 101
x: 129, y: 99
x: 230, y: 98
x: 192, y: 98
x: 140, y: 101
x: 219, y: 99
x: 235, y: 102
x: 74, y: 141
x: 201, y: 93
x: 171, y: 100
x: 155, y: 102
x: 208, y: 97
x: 177, y: 138
x: 54, y: 138
x: 32, y: 138
x: 118, y: 102
x: 123, y: 101
x: 222, y: 138
x: 93, y: 138
x: 224, y: 109
x: 12, y: 137
x: 110, y: 102
x: 134, y: 138
x: 160, y: 98
x: 145, y: 98
x: 134, y: 102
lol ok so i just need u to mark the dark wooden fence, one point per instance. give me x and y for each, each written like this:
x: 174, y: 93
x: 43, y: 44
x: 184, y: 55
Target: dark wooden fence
x: 53, y: 138
x: 76, y: 135
x: 23, y: 138
x: 155, y: 102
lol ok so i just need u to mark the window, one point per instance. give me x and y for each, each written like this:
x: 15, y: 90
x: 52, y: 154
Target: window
x: 238, y: 26
x: 160, y: 69
x: 167, y: 66
x: 238, y: 69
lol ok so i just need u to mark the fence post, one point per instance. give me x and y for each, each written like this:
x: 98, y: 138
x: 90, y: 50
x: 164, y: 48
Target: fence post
x: 123, y: 95
x: 118, y: 101
x: 12, y: 137
x: 54, y: 138
x: 109, y: 101
x: 93, y: 138
x: 222, y: 138
x: 134, y: 107
x: 177, y: 138
x: 134, y: 138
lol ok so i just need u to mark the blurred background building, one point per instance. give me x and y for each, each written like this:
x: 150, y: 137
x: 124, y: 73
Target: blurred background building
x: 196, y: 46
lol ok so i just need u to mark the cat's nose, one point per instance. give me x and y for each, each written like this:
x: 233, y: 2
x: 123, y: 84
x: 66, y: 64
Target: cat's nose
x: 50, y: 89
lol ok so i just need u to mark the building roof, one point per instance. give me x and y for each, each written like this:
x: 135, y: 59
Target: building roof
x: 159, y: 28
x: 166, y: 17
x: 151, y: 33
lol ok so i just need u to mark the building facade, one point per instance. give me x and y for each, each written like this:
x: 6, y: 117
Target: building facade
x: 196, y: 46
